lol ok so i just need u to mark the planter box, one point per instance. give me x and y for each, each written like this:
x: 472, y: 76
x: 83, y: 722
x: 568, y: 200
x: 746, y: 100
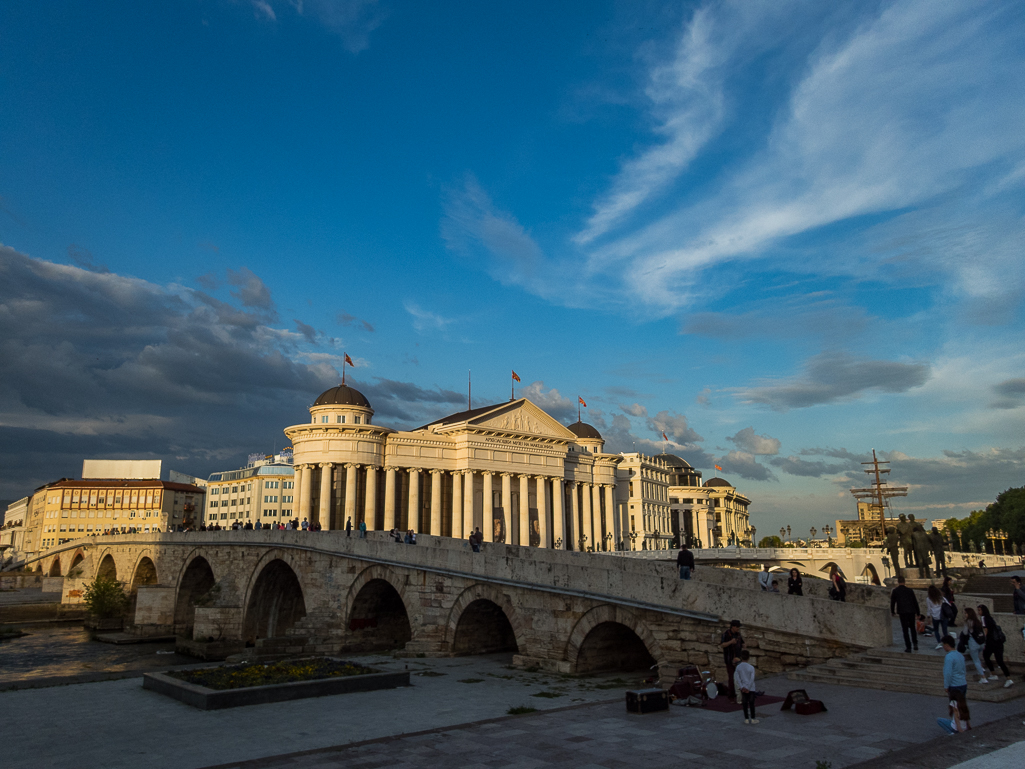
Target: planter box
x: 214, y: 699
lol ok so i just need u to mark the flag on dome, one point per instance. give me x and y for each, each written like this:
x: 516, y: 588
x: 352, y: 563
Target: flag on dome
x: 582, y: 402
x: 718, y: 468
x: 516, y: 377
x: 665, y: 437
x: 349, y: 360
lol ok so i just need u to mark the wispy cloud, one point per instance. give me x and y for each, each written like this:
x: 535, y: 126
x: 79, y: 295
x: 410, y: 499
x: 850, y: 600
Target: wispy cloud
x: 424, y: 321
x: 762, y: 445
x: 351, y: 20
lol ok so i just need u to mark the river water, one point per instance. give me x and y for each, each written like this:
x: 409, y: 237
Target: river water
x: 68, y: 650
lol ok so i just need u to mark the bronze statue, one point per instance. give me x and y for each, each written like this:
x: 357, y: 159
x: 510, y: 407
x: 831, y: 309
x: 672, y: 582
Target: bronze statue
x: 938, y: 551
x: 904, y: 530
x: 892, y: 546
x: 922, y: 547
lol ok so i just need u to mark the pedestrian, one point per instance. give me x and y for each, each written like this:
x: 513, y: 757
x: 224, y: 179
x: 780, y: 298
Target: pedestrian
x: 973, y: 637
x: 838, y: 590
x: 288, y: 526
x: 473, y: 542
x: 257, y: 526
x: 934, y: 603
x: 904, y: 604
x: 955, y: 684
x: 731, y: 643
x: 948, y: 592
x: 249, y: 526
x: 408, y: 539
x: 685, y: 562
x: 412, y: 537
x: 774, y: 587
x: 348, y: 526
x: 794, y: 584
x: 763, y: 577
x: 1018, y: 595
x: 744, y: 679
x: 994, y: 645
x: 362, y: 529
x: 306, y: 524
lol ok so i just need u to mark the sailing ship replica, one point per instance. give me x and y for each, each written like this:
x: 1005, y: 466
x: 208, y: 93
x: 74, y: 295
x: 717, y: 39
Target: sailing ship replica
x: 874, y: 502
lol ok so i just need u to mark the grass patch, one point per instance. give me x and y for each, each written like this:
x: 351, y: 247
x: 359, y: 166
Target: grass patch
x: 522, y: 710
x: 549, y: 695
x: 471, y: 680
x: 429, y: 673
x: 258, y: 674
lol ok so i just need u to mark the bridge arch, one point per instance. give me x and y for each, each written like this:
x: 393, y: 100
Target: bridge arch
x: 275, y: 599
x: 871, y: 573
x: 194, y: 582
x: 144, y: 573
x: 76, y: 559
x: 483, y: 620
x: 107, y: 567
x: 377, y: 611
x: 611, y: 638
x: 55, y: 567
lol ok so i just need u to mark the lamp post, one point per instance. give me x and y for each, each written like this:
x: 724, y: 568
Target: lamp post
x: 608, y: 541
x: 814, y: 531
x: 583, y: 541
x: 633, y: 539
x: 782, y: 533
x: 753, y: 532
x: 826, y: 530
x: 558, y: 543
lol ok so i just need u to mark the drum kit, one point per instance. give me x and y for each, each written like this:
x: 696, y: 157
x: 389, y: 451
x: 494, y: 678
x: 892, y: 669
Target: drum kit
x: 692, y: 686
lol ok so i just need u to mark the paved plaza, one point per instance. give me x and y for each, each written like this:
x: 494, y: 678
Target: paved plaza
x: 456, y: 714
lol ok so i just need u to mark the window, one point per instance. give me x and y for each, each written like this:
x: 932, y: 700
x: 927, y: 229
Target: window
x: 341, y: 419
x: 215, y: 490
x: 323, y: 420
x: 355, y: 420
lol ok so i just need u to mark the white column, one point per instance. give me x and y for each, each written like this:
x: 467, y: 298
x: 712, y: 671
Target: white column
x: 306, y: 493
x: 572, y: 525
x: 370, y: 509
x: 611, y: 518
x: 413, y: 519
x: 350, y: 494
x: 585, y: 515
x: 297, y: 491
x: 436, y: 476
x: 507, y: 515
x: 558, y: 517
x: 468, y: 503
x: 457, y: 504
x: 542, y: 510
x: 488, y: 507
x: 389, y: 498
x: 599, y: 541
x: 326, y: 471
x: 524, y: 527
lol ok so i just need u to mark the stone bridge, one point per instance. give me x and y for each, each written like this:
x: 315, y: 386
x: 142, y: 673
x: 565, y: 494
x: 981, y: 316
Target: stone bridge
x: 568, y: 612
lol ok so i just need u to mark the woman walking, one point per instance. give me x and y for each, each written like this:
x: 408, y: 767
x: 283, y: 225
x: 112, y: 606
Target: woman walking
x: 794, y: 584
x: 934, y: 602
x: 975, y: 638
x: 838, y: 592
x: 994, y: 646
x: 948, y: 593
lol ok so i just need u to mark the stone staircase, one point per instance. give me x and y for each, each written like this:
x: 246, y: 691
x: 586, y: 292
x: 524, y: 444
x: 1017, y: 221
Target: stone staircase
x: 896, y: 671
x: 997, y: 588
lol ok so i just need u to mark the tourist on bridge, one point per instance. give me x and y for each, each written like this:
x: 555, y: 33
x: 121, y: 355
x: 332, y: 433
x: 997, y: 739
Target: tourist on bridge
x: 794, y: 584
x: 838, y: 590
x: 744, y: 679
x: 731, y: 644
x: 685, y: 562
x: 994, y: 646
x: 476, y: 539
x: 904, y: 604
x: 348, y: 526
x: 362, y: 529
x: 305, y: 524
x: 763, y: 577
x: 1019, y: 595
x: 955, y: 684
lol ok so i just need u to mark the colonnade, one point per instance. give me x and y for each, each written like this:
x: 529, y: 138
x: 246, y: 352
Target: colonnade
x: 514, y: 508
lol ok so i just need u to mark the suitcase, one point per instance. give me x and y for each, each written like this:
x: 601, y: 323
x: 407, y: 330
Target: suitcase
x: 647, y: 701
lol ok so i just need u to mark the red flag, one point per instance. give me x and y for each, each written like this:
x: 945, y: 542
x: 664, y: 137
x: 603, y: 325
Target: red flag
x: 665, y: 437
x: 516, y: 377
x: 349, y: 360
x: 582, y: 403
x: 718, y: 468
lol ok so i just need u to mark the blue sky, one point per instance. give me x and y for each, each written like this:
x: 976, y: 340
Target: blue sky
x: 786, y: 233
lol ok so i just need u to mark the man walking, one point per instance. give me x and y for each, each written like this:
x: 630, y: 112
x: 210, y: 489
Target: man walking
x: 904, y: 604
x: 348, y: 527
x: 763, y: 578
x: 685, y: 561
x: 955, y: 684
x: 731, y: 644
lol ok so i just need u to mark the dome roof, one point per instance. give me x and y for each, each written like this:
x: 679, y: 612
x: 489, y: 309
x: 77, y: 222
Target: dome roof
x: 343, y: 395
x: 674, y: 461
x: 584, y: 430
x: 718, y: 482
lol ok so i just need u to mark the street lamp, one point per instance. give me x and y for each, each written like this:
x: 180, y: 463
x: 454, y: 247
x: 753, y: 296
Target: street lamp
x: 558, y: 543
x: 753, y: 532
x: 788, y: 532
x: 608, y: 541
x: 633, y: 540
x: 814, y: 531
x: 782, y: 533
x: 826, y: 530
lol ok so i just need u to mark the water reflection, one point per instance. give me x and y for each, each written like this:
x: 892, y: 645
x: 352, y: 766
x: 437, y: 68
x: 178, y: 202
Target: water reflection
x: 69, y: 650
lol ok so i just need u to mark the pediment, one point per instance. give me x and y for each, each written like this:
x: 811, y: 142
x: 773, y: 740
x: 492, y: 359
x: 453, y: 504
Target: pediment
x: 522, y: 417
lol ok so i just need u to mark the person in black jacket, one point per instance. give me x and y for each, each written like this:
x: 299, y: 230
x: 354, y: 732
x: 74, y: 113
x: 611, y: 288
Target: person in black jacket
x: 685, y: 560
x: 794, y: 584
x: 904, y: 604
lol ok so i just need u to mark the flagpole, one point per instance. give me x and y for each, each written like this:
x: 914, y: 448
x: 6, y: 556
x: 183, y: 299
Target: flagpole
x: 343, y: 367
x: 469, y: 388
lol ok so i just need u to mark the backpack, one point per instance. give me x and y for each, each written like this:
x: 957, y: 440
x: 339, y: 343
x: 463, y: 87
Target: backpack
x: 947, y: 611
x: 996, y: 633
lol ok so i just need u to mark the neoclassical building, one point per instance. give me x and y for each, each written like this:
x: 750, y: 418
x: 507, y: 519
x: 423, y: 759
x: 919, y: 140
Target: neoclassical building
x: 509, y: 469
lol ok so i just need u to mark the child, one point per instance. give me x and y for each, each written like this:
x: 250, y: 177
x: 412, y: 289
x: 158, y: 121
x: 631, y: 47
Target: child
x: 920, y: 627
x: 744, y: 681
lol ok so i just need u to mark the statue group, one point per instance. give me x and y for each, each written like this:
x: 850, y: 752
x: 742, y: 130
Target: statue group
x: 918, y: 547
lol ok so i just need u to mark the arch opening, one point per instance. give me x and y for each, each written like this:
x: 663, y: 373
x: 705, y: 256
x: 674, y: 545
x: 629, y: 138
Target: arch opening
x: 483, y: 628
x: 76, y: 560
x: 612, y: 646
x: 108, y: 569
x: 378, y: 620
x: 145, y: 574
x: 55, y: 568
x: 275, y: 604
x: 196, y: 582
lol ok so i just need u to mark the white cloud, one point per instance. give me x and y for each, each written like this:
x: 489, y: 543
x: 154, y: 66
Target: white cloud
x: 424, y: 320
x: 763, y: 445
x: 634, y: 410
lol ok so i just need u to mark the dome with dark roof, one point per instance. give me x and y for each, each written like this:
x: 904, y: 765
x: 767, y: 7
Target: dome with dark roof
x: 343, y: 395
x: 718, y: 482
x: 674, y: 461
x: 584, y: 430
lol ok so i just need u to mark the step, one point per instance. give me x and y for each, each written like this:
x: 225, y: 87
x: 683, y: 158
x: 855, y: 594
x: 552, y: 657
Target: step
x: 976, y: 693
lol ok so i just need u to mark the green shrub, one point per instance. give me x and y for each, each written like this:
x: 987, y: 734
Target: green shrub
x: 105, y: 598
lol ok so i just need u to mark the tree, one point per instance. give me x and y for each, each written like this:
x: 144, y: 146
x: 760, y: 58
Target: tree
x: 105, y: 598
x: 1007, y: 514
x: 772, y: 541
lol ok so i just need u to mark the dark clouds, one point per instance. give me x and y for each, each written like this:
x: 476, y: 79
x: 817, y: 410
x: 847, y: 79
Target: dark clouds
x: 675, y: 427
x: 831, y: 377
x: 747, y: 440
x: 101, y: 365
x: 306, y: 330
x: 1010, y: 394
x: 345, y: 319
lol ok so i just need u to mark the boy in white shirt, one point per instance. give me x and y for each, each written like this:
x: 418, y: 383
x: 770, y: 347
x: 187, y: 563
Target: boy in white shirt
x: 744, y: 681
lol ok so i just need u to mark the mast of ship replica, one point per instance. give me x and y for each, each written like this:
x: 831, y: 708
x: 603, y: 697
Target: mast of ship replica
x: 877, y: 496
